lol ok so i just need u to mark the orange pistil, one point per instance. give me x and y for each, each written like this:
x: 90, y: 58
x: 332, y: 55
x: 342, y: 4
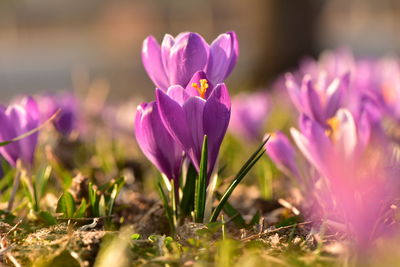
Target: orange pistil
x: 334, y: 125
x: 203, y: 87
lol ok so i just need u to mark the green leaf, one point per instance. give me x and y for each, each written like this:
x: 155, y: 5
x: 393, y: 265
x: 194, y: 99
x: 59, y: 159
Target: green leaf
x: 41, y: 180
x: 28, y: 191
x: 80, y: 212
x: 7, y: 180
x: 201, y: 185
x: 113, y: 196
x: 47, y: 218
x: 110, y: 187
x: 66, y: 205
x: 239, y: 177
x: 136, y: 236
x: 189, y: 191
x: 93, y: 200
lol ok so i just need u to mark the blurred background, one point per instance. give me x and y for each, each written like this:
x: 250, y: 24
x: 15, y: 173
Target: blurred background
x: 48, y: 45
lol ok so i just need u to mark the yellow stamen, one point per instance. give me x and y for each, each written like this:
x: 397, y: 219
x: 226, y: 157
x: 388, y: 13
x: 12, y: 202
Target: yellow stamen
x: 203, y: 87
x: 334, y: 125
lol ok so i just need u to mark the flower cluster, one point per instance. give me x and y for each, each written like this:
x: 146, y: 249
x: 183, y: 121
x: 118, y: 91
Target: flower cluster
x: 191, y: 100
x: 343, y: 105
x: 20, y: 122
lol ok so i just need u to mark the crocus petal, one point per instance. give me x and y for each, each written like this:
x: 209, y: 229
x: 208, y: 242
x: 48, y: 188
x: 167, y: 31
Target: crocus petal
x: 312, y: 102
x: 363, y: 130
x: 313, y: 143
x: 217, y: 113
x: 193, y: 110
x: 153, y: 64
x: 178, y: 93
x: 21, y: 122
x: 223, y: 55
x: 155, y: 142
x: 16, y: 120
x: 166, y: 45
x: 334, y: 94
x: 346, y: 136
x: 188, y: 55
x: 294, y: 91
x: 281, y: 151
x: 11, y: 151
x: 32, y: 114
x: 174, y: 119
x: 31, y: 105
x: 234, y: 52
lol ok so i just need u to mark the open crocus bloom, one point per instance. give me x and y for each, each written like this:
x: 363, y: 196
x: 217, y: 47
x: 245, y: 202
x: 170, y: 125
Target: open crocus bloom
x: 16, y: 120
x: 344, y: 139
x: 156, y: 143
x: 177, y: 59
x: 189, y: 114
x: 317, y: 99
x: 352, y: 169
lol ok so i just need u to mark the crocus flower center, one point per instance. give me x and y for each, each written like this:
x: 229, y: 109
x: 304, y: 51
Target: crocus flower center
x: 334, y: 125
x: 202, y: 89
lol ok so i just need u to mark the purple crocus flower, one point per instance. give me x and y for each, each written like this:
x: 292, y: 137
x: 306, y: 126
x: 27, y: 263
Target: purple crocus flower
x: 189, y: 114
x: 156, y: 143
x: 282, y: 153
x: 344, y: 140
x: 16, y: 120
x: 249, y: 114
x: 318, y: 100
x: 355, y: 189
x: 179, y: 58
x: 67, y: 103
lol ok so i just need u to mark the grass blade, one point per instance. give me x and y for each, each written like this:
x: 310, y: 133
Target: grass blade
x: 234, y: 214
x: 93, y: 200
x: 239, y: 177
x: 201, y: 184
x: 189, y: 191
x: 80, y: 211
x: 168, y: 211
